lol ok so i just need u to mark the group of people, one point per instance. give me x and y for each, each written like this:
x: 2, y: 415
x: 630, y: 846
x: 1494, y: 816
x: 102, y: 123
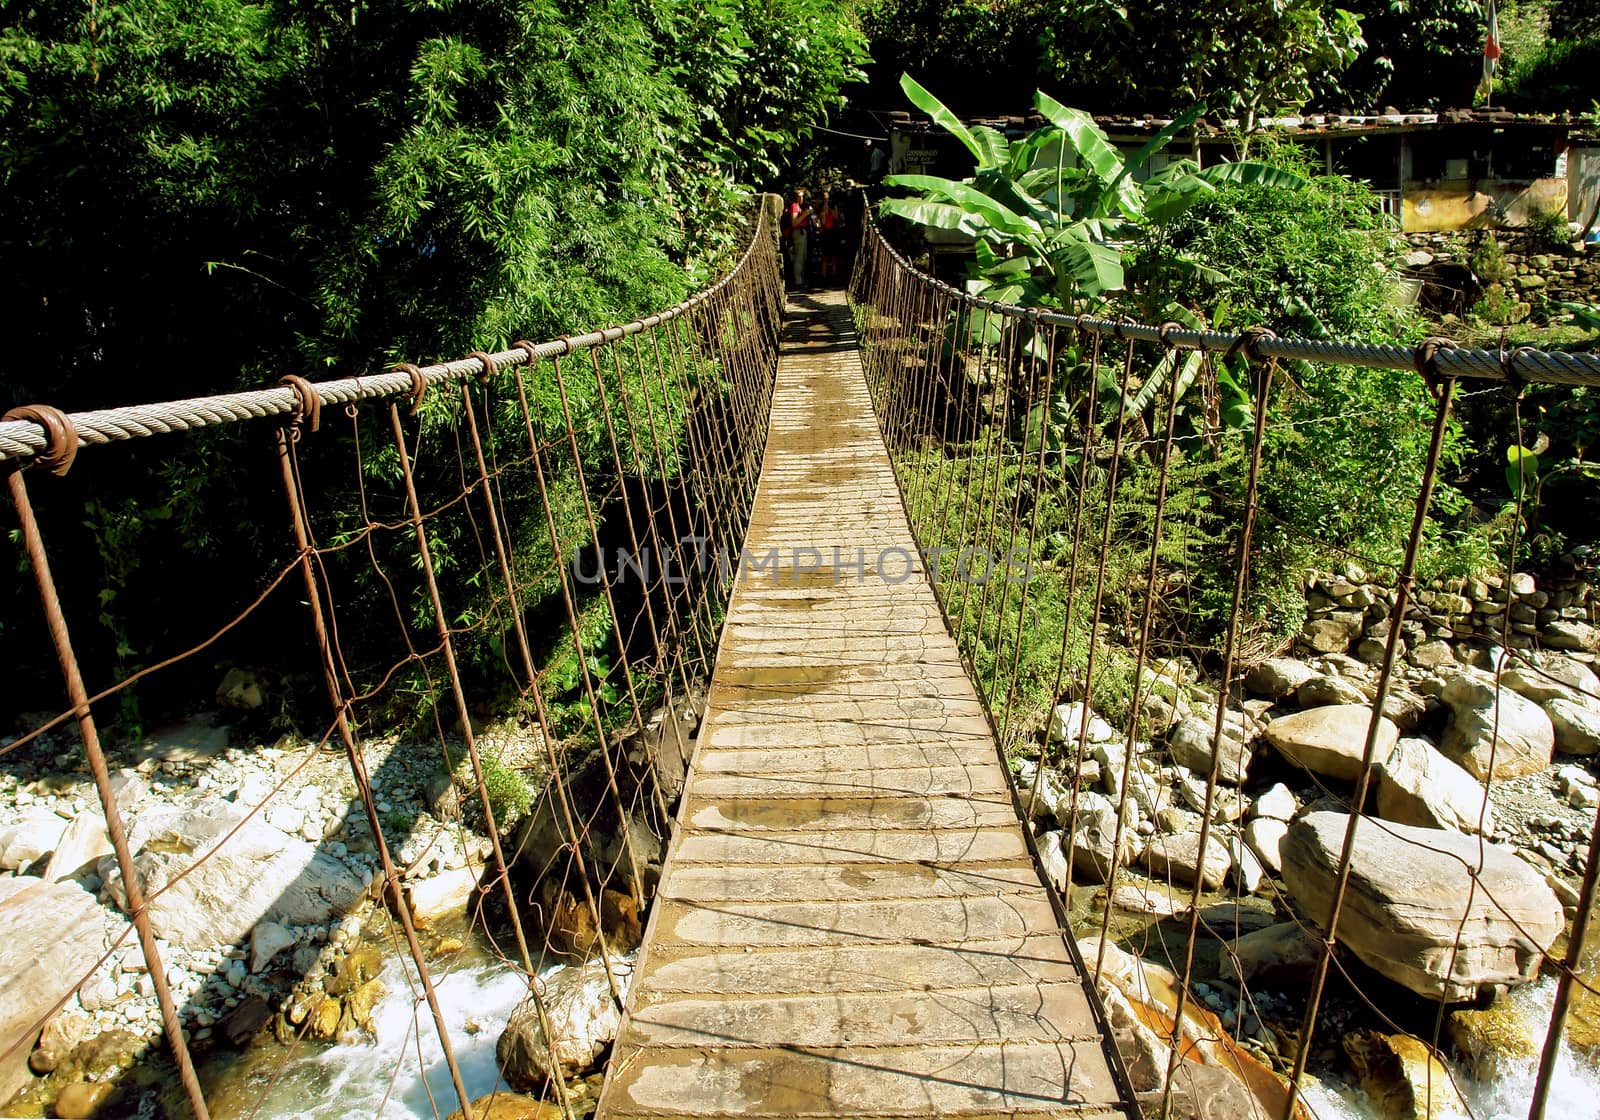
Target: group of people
x: 813, y: 240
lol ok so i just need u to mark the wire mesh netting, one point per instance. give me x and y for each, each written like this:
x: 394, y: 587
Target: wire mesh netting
x: 508, y: 574
x: 1288, y: 867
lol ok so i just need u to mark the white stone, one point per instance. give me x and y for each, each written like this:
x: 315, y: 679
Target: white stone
x: 1277, y: 677
x: 1192, y: 739
x: 1330, y: 740
x: 1410, y: 898
x: 83, y: 844
x: 1417, y: 785
x: 1250, y: 872
x: 1178, y: 858
x: 1276, y: 802
x: 1494, y: 732
x: 256, y: 873
x: 1066, y: 725
x: 50, y: 935
x: 1057, y: 869
x: 1264, y: 835
x: 267, y: 940
x: 1546, y: 676
x: 30, y: 839
x: 1576, y: 724
x: 582, y: 1014
x: 444, y: 895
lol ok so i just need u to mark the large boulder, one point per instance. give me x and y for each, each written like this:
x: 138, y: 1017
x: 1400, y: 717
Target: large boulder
x: 1330, y: 740
x: 1319, y: 691
x: 1066, y: 725
x: 1576, y: 723
x: 583, y: 1017
x: 1177, y: 858
x: 1493, y: 732
x: 1410, y: 894
x: 1277, y: 677
x: 1093, y: 839
x: 1193, y: 738
x: 1418, y: 785
x: 1402, y: 1078
x: 215, y: 887
x: 1567, y: 634
x: 50, y: 934
x: 29, y: 840
x: 1333, y: 634
x: 1546, y: 676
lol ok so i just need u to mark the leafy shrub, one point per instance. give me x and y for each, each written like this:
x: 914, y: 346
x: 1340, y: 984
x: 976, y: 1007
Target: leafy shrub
x: 510, y: 796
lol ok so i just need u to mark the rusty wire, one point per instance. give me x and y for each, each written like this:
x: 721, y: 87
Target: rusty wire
x: 704, y: 382
x: 959, y: 459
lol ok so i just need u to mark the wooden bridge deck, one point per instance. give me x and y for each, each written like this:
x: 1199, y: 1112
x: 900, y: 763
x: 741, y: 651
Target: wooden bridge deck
x: 849, y: 922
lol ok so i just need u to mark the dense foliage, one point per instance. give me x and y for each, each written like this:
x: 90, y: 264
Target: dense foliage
x: 1257, y: 58
x: 199, y: 196
x: 1269, y: 243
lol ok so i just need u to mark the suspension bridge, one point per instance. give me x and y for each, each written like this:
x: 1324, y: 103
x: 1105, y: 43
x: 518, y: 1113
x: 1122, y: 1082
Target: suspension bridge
x: 849, y: 923
x: 849, y: 916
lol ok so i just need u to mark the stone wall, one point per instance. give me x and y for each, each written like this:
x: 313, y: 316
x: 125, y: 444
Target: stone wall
x: 1348, y: 614
x: 1540, y: 274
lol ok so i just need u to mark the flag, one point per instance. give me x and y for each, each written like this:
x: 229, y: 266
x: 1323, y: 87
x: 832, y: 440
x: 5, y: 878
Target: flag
x: 1491, y: 47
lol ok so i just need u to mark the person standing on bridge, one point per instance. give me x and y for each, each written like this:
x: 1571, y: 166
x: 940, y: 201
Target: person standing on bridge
x: 798, y: 221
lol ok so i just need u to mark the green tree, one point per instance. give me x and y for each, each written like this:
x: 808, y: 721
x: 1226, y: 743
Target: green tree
x: 203, y: 195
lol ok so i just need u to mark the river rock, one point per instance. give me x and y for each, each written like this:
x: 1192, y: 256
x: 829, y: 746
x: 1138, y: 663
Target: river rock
x: 1279, y: 956
x: 1330, y: 740
x: 359, y: 1005
x: 1576, y: 724
x: 83, y: 844
x: 1432, y: 655
x: 1265, y: 836
x: 1418, y: 785
x: 259, y: 873
x: 1055, y: 862
x: 267, y: 940
x: 510, y: 1106
x: 1563, y: 633
x: 1192, y: 739
x: 50, y: 934
x: 1066, y: 725
x: 29, y: 840
x: 1226, y: 804
x: 1318, y: 692
x: 1488, y: 722
x: 59, y: 1039
x: 1277, y: 677
x: 1333, y: 634
x: 1547, y: 676
x: 1494, y: 1040
x: 583, y: 1017
x: 447, y: 894
x: 82, y: 1100
x: 1178, y: 858
x: 1402, y: 1077
x: 1276, y: 802
x: 1407, y: 896
x: 1092, y: 840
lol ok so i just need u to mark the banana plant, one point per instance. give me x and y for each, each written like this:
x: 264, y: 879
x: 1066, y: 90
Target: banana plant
x: 1051, y: 213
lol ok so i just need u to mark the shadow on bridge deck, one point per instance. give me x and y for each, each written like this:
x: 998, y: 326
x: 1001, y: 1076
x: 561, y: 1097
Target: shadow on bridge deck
x: 850, y: 922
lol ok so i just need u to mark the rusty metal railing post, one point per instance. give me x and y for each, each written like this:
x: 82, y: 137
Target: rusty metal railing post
x: 1230, y: 646
x: 61, y: 639
x: 358, y: 769
x: 1444, y: 393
